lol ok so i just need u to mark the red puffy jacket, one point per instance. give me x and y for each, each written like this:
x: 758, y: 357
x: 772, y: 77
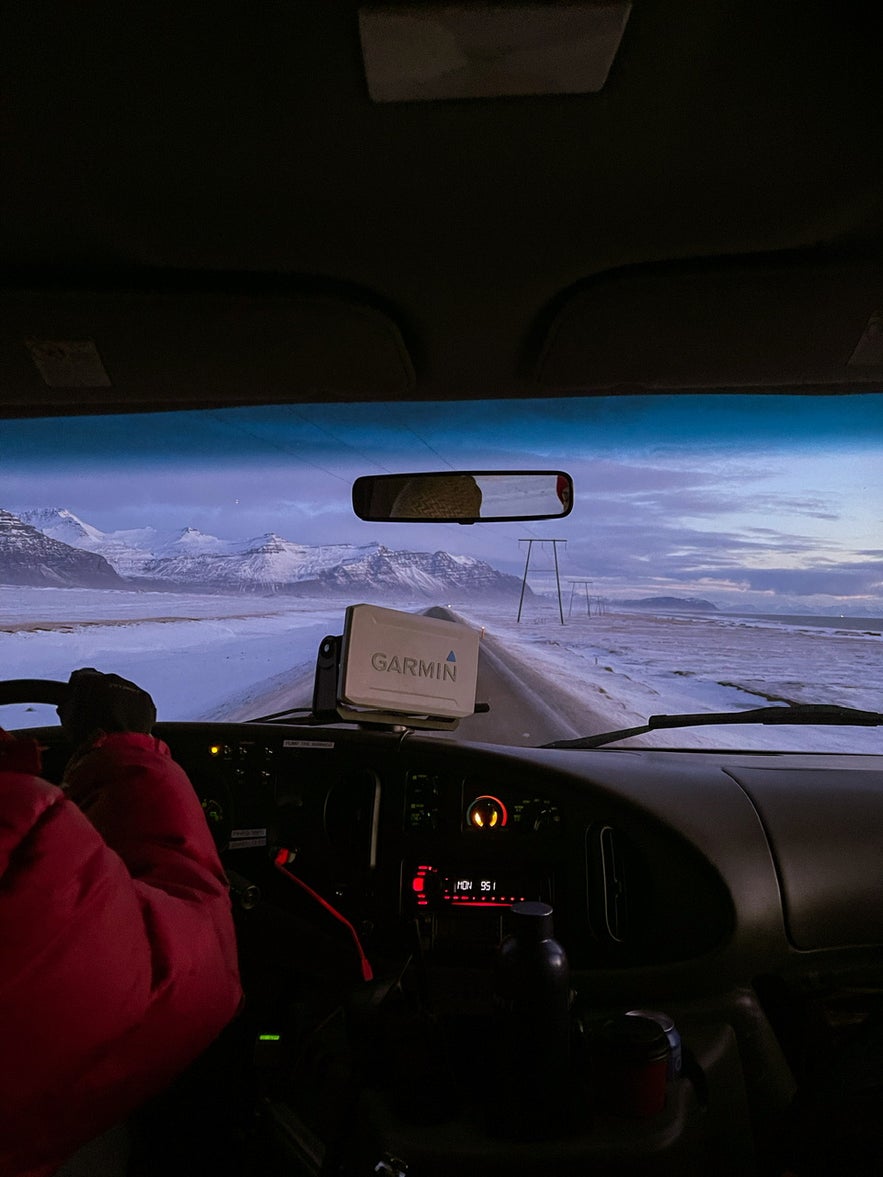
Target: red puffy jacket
x: 117, y: 950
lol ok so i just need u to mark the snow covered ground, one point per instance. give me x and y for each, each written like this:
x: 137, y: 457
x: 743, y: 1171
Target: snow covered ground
x: 220, y: 656
x: 627, y: 666
x: 200, y: 656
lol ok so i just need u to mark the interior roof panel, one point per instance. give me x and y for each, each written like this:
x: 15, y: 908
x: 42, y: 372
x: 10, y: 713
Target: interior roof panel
x: 243, y: 142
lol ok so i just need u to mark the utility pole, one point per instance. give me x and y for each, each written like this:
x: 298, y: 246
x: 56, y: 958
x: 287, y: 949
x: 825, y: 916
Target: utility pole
x: 573, y: 586
x: 530, y: 543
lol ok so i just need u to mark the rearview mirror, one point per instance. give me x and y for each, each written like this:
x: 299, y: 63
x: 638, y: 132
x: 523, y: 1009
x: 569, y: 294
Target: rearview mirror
x: 459, y: 496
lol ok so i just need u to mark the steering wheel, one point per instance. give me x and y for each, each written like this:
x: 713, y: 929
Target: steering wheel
x: 32, y: 690
x: 55, y: 747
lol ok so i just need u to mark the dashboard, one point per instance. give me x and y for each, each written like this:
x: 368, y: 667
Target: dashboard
x: 730, y: 890
x: 652, y: 860
x: 725, y: 889
x: 414, y: 829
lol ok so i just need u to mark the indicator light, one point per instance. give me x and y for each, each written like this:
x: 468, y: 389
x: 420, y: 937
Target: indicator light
x: 269, y: 1037
x: 215, y: 750
x: 213, y: 810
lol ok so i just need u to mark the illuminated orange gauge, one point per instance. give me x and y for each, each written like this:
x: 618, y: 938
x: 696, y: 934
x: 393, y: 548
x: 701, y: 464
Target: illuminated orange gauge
x: 487, y: 813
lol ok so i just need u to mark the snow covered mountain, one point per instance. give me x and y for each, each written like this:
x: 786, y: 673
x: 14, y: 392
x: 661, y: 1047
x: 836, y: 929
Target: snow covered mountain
x: 190, y: 559
x: 28, y: 556
x: 266, y: 563
x: 419, y: 574
x: 125, y: 551
x: 270, y: 563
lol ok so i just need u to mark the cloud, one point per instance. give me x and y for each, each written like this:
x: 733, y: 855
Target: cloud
x: 644, y: 551
x: 846, y: 580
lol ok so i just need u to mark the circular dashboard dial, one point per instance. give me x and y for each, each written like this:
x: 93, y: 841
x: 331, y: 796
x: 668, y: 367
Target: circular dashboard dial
x: 486, y: 813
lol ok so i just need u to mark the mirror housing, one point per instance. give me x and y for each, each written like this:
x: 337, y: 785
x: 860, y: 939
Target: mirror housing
x: 463, y: 496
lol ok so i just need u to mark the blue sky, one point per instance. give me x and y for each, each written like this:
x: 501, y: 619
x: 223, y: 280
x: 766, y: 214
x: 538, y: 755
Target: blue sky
x: 770, y: 499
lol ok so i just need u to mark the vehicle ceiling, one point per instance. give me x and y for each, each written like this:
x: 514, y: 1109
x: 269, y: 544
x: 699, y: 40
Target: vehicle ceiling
x: 211, y: 196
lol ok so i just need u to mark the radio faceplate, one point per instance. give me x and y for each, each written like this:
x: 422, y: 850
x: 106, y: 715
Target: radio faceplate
x: 450, y: 887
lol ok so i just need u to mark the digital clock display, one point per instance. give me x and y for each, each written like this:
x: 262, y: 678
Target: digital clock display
x: 474, y: 887
x: 467, y: 887
x: 485, y: 889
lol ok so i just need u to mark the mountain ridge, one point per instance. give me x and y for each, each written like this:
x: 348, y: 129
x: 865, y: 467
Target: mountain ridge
x: 189, y: 559
x: 693, y: 604
x: 29, y: 557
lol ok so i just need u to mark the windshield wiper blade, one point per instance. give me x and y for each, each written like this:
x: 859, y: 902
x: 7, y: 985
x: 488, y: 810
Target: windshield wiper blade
x: 803, y: 713
x: 302, y: 715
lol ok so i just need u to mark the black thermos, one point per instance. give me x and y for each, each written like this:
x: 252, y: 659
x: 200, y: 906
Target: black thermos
x: 532, y: 1040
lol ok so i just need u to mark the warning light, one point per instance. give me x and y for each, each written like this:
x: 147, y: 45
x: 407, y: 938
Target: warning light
x: 215, y: 750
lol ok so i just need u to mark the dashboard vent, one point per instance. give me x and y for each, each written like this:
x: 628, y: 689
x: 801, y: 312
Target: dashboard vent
x: 352, y: 812
x: 614, y: 894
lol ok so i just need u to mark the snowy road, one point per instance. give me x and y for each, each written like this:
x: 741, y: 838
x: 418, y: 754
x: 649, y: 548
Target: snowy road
x: 519, y: 711
x: 525, y: 708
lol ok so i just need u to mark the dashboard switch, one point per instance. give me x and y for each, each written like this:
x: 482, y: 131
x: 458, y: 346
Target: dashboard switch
x: 422, y: 801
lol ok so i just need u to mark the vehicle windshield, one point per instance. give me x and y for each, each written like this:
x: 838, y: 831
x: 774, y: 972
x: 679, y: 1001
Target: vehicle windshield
x: 723, y: 552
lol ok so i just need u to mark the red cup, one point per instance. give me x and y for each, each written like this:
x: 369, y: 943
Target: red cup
x: 631, y: 1064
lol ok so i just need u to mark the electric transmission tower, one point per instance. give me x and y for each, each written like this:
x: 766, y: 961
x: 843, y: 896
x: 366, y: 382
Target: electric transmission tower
x: 530, y: 543
x: 575, y: 582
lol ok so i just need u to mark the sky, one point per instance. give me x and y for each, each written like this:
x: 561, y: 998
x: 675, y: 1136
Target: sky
x: 771, y: 502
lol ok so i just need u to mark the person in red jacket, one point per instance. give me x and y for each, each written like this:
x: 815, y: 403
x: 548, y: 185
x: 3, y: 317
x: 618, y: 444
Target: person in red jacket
x: 118, y: 962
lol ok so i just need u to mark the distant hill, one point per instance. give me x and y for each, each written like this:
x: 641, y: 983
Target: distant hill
x: 668, y: 604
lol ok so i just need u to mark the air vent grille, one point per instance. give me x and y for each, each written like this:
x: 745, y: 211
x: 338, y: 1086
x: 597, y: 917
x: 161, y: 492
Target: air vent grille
x: 614, y: 893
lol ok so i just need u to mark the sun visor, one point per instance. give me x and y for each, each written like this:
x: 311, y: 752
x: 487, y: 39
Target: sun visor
x: 185, y: 349
x: 804, y: 324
